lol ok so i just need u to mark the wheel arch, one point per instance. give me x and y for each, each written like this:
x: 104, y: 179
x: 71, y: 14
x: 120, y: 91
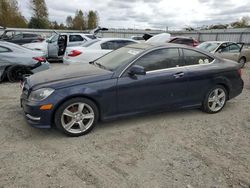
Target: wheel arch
x: 72, y: 97
x: 222, y: 81
x: 243, y: 57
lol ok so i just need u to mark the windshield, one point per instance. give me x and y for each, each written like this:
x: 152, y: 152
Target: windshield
x: 117, y: 58
x: 209, y: 46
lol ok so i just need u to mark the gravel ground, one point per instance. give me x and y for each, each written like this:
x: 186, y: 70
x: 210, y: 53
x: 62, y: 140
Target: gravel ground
x: 173, y: 149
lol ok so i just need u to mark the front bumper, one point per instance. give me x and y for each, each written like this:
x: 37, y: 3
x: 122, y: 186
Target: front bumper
x: 34, y: 116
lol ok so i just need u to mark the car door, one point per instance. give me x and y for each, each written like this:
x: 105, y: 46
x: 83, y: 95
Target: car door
x: 53, y: 47
x: 76, y: 40
x: 229, y: 51
x: 199, y: 74
x: 163, y: 86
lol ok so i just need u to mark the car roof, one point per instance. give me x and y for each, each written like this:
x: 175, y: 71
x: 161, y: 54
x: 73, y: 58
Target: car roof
x: 218, y: 41
x: 148, y: 47
x: 109, y: 39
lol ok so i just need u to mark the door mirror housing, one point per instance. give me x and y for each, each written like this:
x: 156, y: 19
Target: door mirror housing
x: 219, y: 51
x: 136, y: 70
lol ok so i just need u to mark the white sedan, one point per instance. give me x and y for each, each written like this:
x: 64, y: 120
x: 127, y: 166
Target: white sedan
x: 94, y: 49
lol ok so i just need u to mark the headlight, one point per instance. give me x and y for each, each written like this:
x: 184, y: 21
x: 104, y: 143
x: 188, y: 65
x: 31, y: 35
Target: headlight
x: 40, y: 94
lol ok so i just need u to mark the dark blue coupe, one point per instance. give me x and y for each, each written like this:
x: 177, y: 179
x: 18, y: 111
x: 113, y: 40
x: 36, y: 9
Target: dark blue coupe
x: 131, y: 80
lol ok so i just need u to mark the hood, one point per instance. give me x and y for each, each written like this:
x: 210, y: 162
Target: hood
x: 67, y: 76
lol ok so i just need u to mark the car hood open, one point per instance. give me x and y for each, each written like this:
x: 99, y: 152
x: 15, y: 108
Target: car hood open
x: 68, y: 76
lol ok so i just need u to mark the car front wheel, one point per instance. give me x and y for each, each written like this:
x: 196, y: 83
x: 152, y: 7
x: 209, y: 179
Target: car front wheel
x: 76, y: 116
x: 215, y: 100
x: 242, y: 61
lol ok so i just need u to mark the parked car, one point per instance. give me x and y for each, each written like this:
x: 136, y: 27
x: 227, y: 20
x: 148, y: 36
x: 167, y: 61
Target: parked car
x: 184, y: 40
x: 56, y: 45
x: 94, y: 49
x: 17, y: 61
x: 134, y: 79
x: 22, y: 37
x: 228, y: 50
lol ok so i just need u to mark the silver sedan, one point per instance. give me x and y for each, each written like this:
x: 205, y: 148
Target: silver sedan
x: 17, y: 61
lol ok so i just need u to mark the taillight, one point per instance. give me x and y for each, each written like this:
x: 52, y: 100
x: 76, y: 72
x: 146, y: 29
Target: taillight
x: 40, y: 59
x: 239, y: 72
x: 74, y: 53
x: 195, y: 43
x: 40, y: 39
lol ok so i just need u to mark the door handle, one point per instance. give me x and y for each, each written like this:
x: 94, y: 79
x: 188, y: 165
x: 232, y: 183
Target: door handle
x: 179, y: 75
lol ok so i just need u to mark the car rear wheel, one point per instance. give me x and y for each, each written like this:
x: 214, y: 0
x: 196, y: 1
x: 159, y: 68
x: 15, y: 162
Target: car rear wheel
x: 215, y: 100
x: 76, y: 116
x: 242, y: 61
x: 15, y: 73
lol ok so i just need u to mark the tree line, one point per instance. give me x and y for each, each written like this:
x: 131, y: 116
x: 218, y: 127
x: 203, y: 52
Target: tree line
x: 11, y: 16
x: 243, y: 22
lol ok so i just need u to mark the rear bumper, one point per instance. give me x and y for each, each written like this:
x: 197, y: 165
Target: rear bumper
x: 237, y: 90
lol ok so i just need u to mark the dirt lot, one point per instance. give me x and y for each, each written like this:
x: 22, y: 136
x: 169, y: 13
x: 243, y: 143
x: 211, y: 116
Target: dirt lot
x: 173, y: 149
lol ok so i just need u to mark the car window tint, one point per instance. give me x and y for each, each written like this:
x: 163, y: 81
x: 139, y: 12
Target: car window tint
x: 110, y: 45
x: 192, y: 57
x: 75, y: 38
x: 234, y: 48
x: 3, y: 49
x: 224, y: 47
x: 182, y: 41
x: 28, y: 35
x: 18, y: 36
x: 160, y: 59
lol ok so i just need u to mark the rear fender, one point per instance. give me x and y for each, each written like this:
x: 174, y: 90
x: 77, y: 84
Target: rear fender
x: 224, y: 82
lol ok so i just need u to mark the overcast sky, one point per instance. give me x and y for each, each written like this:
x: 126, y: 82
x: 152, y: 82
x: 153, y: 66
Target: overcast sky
x: 159, y: 14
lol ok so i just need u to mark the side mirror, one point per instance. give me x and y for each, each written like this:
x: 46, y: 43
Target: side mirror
x: 219, y: 51
x: 136, y: 70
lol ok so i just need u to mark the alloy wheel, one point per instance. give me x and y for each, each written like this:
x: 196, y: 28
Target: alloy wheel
x: 77, y: 118
x: 216, y: 100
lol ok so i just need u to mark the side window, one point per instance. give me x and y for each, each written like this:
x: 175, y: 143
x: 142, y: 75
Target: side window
x: 110, y: 45
x: 113, y: 45
x: 183, y: 41
x: 27, y: 35
x: 234, y: 48
x: 192, y: 57
x: 160, y: 59
x: 3, y: 49
x: 75, y: 38
x: 224, y: 47
x: 18, y: 37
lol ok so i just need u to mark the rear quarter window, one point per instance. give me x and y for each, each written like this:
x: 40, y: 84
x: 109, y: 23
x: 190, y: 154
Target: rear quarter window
x: 192, y: 57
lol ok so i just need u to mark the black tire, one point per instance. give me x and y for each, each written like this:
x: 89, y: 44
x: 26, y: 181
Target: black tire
x: 15, y: 73
x: 59, y: 115
x: 242, y: 61
x: 205, y: 104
